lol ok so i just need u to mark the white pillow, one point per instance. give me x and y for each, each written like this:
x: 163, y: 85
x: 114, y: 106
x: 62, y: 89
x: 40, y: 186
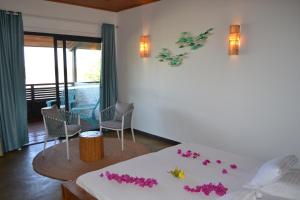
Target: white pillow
x: 272, y: 170
x: 287, y: 186
x: 248, y: 195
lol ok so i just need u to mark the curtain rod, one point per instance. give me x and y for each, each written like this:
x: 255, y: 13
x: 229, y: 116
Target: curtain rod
x: 8, y: 12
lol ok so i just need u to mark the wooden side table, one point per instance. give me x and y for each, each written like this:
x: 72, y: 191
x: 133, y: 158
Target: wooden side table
x: 91, y: 146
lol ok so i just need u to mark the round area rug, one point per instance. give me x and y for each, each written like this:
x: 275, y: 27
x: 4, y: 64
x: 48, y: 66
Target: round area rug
x: 55, y: 164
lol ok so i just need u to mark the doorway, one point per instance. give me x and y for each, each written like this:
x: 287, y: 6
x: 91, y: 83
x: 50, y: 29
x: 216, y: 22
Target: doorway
x: 62, y: 70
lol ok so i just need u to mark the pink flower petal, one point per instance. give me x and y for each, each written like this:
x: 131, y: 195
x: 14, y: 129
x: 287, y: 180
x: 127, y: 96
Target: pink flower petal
x: 233, y: 166
x: 179, y: 151
x: 127, y: 179
x: 188, y: 154
x: 207, y: 189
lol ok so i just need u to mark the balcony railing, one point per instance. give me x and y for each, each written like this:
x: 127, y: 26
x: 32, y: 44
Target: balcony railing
x: 44, y: 91
x: 38, y: 94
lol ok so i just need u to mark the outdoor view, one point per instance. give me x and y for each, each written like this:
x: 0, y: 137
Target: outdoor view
x: 88, y: 65
x: 39, y: 62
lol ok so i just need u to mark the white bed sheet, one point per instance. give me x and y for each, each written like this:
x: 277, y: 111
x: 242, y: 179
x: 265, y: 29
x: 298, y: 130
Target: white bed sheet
x: 157, y: 165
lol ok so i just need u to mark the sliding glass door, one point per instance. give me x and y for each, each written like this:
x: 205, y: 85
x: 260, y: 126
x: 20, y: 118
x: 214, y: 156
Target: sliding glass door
x: 79, y: 77
x: 63, y: 70
x: 86, y: 68
x: 40, y: 74
x: 64, y: 79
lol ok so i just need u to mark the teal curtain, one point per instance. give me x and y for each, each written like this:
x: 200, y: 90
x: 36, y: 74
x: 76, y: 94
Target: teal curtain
x: 13, y: 107
x: 108, y: 89
x: 1, y: 150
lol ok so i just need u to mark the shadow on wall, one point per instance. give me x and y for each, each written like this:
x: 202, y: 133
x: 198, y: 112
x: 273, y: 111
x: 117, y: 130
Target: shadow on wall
x: 245, y: 43
x: 178, y: 125
x: 182, y: 127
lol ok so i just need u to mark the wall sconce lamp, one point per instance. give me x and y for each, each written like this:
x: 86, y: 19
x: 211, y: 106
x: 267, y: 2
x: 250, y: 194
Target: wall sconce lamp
x: 234, y: 40
x: 144, y: 46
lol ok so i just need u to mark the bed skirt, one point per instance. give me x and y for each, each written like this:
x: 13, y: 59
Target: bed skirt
x: 71, y: 191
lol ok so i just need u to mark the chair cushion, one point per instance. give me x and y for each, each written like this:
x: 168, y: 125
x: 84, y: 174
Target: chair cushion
x: 112, y: 124
x: 121, y: 109
x: 72, y: 129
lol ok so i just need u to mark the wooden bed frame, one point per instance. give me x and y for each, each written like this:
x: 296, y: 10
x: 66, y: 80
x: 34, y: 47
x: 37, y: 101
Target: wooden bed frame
x: 71, y: 191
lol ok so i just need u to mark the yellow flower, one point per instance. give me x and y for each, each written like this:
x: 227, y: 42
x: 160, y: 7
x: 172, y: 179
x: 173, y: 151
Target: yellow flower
x: 181, y: 175
x: 178, y: 173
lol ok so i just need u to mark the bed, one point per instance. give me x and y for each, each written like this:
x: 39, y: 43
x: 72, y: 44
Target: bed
x: 157, y: 165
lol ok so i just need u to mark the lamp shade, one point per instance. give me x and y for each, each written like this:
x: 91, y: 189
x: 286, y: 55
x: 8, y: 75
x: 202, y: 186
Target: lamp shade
x: 234, y: 40
x: 144, y: 46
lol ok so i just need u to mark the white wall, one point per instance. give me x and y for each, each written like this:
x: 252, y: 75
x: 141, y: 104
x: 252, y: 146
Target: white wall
x: 51, y: 17
x: 248, y: 104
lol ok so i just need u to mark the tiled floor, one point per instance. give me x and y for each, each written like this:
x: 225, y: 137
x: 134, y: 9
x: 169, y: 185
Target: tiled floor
x: 36, y: 132
x: 18, y: 180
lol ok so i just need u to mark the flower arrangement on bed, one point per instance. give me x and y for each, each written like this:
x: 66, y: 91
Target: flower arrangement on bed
x: 188, y: 171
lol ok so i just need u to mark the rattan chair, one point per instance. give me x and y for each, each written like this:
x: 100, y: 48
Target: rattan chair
x: 59, y: 123
x: 118, y: 118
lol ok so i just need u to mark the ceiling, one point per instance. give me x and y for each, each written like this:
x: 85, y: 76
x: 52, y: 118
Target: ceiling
x: 109, y: 5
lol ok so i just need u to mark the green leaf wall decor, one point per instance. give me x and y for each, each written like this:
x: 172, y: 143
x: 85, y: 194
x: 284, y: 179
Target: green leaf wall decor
x: 165, y: 55
x: 194, y: 42
x: 186, y: 40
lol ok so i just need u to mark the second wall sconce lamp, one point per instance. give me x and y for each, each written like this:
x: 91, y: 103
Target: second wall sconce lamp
x: 234, y: 40
x: 144, y: 46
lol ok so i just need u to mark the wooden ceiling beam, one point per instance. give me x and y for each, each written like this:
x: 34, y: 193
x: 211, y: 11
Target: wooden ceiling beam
x: 45, y: 41
x: 109, y: 5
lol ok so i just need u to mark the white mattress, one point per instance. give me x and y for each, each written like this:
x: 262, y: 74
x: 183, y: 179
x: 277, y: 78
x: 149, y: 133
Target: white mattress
x: 157, y: 165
